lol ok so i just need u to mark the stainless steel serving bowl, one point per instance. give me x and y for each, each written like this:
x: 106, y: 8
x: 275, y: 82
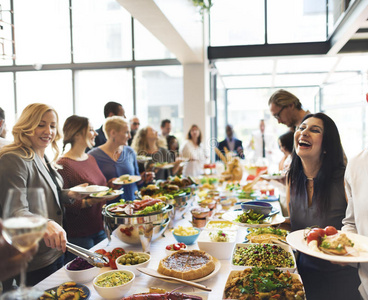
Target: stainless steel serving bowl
x: 137, y: 229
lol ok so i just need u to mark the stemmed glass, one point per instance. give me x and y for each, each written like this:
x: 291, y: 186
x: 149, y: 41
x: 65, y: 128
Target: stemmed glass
x: 24, y: 225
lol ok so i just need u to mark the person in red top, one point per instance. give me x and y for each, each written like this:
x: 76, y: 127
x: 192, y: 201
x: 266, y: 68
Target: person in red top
x: 83, y: 219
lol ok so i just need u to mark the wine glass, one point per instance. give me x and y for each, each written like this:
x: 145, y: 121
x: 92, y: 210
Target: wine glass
x: 24, y: 225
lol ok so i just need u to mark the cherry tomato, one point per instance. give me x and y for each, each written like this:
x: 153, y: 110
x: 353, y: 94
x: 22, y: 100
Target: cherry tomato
x: 168, y: 247
x: 100, y: 251
x: 113, y: 264
x: 313, y: 235
x: 330, y: 230
x: 109, y: 256
x: 117, y: 252
x: 321, y: 231
x: 177, y: 247
x: 250, y: 177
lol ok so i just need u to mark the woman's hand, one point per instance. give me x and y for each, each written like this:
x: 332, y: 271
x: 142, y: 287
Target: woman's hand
x: 55, y: 236
x: 113, y: 185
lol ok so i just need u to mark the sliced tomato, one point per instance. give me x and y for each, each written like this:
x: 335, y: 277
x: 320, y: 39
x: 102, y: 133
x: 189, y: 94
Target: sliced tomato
x: 117, y: 252
x: 100, y: 251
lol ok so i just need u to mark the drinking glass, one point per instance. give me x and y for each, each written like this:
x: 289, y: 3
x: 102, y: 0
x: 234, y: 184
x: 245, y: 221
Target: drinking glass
x: 24, y: 225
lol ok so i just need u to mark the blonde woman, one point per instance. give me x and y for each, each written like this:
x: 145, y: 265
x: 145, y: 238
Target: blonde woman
x: 79, y: 167
x: 23, y: 164
x: 115, y: 157
x: 145, y: 143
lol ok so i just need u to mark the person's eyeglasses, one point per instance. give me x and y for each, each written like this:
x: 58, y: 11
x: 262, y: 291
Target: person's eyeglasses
x: 277, y: 116
x: 136, y: 123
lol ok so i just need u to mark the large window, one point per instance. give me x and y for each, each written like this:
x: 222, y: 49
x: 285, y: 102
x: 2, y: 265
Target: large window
x: 50, y: 87
x: 101, y: 31
x: 42, y: 33
x: 160, y: 96
x: 116, y: 86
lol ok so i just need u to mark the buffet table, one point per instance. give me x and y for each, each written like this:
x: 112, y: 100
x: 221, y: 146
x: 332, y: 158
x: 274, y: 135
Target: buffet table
x: 143, y: 282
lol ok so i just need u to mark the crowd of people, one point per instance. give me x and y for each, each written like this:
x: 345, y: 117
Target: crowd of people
x: 322, y: 188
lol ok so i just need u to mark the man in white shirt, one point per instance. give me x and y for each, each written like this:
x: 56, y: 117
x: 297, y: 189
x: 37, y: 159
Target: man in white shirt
x: 356, y: 221
x: 262, y: 144
x: 3, y: 130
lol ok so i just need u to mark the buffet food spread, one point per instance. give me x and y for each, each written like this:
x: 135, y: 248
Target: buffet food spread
x: 216, y: 254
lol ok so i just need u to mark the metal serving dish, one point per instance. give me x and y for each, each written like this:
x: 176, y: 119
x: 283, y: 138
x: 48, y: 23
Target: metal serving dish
x: 137, y: 229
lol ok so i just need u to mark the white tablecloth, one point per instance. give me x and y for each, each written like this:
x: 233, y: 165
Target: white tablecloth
x: 143, y: 282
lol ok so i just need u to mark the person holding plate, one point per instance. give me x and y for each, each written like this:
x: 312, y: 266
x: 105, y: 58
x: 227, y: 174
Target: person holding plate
x: 78, y: 167
x: 115, y: 158
x: 315, y: 196
x: 23, y: 165
x: 145, y: 143
x: 356, y: 213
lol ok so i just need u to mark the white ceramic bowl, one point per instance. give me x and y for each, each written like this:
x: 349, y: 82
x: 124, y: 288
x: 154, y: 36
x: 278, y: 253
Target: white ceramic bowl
x: 220, y: 250
x: 169, y: 252
x: 82, y: 276
x: 115, y: 292
x: 133, y: 268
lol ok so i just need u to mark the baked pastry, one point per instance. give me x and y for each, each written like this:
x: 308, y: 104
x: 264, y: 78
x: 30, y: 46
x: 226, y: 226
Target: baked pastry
x: 187, y: 265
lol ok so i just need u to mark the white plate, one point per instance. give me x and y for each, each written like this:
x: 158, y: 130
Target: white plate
x: 142, y: 158
x: 297, y: 241
x: 215, y: 271
x: 134, y: 179
x: 114, y: 194
x: 274, y: 177
x: 89, y: 189
x: 165, y: 166
x: 231, y: 216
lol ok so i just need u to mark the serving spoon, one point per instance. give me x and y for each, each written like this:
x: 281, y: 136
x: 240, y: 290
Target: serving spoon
x: 156, y: 274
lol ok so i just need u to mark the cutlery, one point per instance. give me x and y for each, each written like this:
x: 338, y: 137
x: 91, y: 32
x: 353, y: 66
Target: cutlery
x: 154, y: 273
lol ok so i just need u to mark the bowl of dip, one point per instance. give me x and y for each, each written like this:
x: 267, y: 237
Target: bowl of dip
x: 113, y: 284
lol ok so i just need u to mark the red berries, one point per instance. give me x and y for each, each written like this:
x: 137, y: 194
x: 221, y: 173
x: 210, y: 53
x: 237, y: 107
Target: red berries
x: 176, y: 247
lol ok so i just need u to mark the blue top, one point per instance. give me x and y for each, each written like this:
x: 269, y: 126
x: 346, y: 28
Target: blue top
x: 126, y: 164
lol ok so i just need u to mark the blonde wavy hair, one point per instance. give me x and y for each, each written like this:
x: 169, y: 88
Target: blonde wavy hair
x: 25, y: 127
x: 114, y: 123
x: 140, y: 143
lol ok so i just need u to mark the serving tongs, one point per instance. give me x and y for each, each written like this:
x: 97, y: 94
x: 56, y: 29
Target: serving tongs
x: 95, y: 259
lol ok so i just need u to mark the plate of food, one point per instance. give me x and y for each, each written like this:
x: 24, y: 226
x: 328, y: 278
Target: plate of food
x: 143, y: 158
x: 109, y: 194
x: 263, y: 255
x: 89, y: 189
x: 126, y: 179
x: 266, y: 235
x: 271, y: 198
x: 250, y: 283
x: 273, y: 176
x: 153, y: 292
x: 137, y: 207
x: 343, y: 247
x: 251, y: 219
x: 163, y: 165
x: 76, y: 290
x: 188, y: 268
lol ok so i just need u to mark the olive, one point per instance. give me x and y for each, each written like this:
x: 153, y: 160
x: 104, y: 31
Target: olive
x: 128, y: 261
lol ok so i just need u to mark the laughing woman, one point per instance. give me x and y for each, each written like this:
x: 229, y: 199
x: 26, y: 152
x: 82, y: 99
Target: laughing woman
x: 78, y: 168
x: 315, y: 196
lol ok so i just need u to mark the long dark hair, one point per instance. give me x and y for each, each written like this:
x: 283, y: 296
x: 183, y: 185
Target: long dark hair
x: 287, y: 141
x: 332, y: 165
x: 199, y: 140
